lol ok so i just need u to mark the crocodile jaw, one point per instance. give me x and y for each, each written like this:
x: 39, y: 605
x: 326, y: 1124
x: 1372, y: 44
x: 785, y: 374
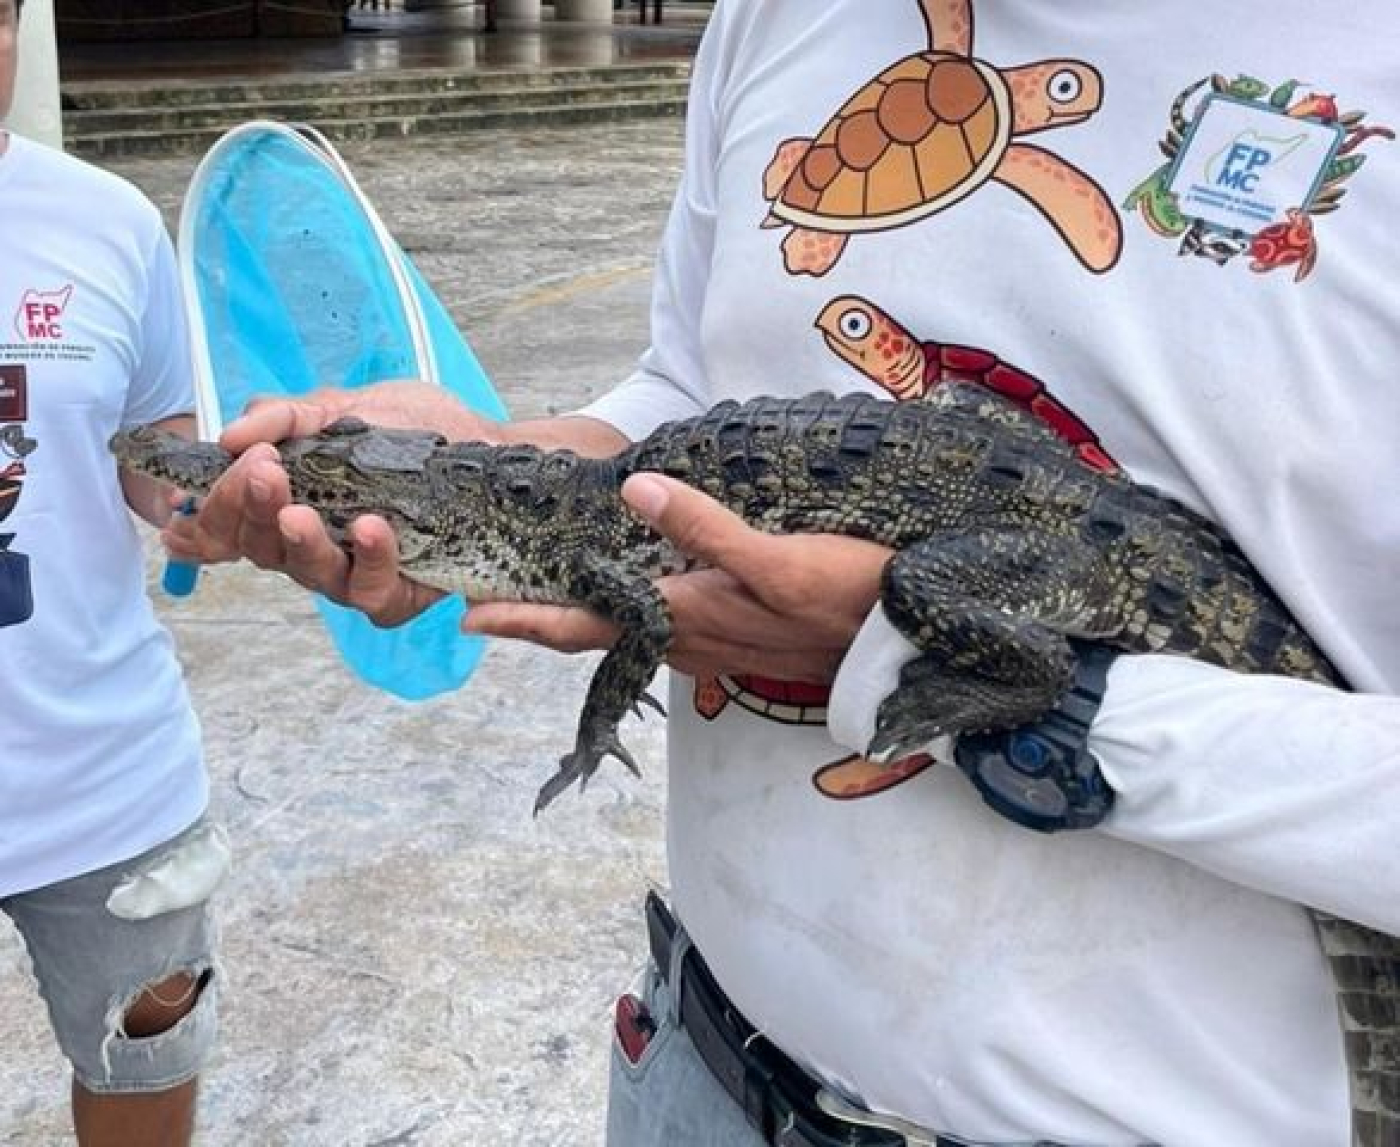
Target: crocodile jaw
x: 190, y: 466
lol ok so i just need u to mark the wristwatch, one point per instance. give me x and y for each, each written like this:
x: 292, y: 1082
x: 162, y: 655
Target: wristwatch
x: 1043, y: 776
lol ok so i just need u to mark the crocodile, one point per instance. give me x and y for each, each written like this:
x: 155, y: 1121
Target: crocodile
x: 1007, y: 552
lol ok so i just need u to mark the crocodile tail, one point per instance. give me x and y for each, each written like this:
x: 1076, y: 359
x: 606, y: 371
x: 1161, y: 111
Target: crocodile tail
x: 1366, y: 967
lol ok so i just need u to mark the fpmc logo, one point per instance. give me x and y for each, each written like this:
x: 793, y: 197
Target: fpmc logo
x: 40, y: 315
x: 1243, y: 163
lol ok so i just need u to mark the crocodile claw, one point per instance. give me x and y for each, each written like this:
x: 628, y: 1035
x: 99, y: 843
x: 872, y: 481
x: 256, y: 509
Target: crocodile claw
x: 650, y: 702
x: 899, y: 741
x: 581, y: 764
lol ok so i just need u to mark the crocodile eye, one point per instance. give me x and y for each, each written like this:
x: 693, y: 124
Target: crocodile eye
x: 1065, y: 86
x: 854, y: 324
x: 458, y: 467
x: 321, y: 464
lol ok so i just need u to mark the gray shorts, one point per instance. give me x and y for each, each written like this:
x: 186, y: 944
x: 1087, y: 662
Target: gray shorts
x: 95, y: 942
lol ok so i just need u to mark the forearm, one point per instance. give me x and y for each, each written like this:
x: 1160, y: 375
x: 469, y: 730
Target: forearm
x: 1286, y: 787
x: 590, y: 437
x: 1290, y: 788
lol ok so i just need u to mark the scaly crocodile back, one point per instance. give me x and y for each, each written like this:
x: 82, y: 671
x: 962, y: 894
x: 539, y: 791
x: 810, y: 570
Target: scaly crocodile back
x: 902, y: 473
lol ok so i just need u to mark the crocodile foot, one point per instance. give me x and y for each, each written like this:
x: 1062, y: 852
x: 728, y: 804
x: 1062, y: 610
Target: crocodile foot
x: 583, y: 762
x: 930, y: 703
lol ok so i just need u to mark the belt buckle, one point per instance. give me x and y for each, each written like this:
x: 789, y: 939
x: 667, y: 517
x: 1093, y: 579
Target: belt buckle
x: 789, y: 1129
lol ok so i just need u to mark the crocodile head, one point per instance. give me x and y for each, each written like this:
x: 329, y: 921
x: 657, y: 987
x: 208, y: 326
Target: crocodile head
x: 351, y: 468
x: 348, y: 469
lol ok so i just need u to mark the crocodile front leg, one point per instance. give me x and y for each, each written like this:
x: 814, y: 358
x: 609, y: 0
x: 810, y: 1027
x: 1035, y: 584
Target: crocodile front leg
x: 992, y: 611
x: 636, y: 606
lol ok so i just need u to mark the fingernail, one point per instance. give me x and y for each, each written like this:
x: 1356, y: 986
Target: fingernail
x: 291, y: 536
x: 260, y: 490
x: 647, y: 496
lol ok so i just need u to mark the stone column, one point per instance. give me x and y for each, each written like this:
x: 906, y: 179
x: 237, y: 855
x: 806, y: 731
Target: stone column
x: 518, y: 9
x: 37, y: 113
x: 584, y: 11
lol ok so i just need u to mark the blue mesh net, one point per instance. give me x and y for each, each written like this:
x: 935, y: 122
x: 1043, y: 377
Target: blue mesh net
x: 296, y: 285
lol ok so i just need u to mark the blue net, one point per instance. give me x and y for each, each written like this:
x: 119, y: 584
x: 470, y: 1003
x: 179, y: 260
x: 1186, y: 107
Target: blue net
x: 297, y: 285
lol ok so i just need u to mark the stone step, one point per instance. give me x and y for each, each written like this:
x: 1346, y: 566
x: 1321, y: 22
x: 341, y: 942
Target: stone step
x: 390, y: 105
x: 182, y: 117
x: 195, y: 140
x: 93, y: 95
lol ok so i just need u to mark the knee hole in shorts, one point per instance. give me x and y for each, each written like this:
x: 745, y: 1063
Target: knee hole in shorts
x: 159, y: 1006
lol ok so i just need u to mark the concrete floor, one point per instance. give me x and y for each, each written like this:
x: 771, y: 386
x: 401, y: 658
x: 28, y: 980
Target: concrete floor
x: 410, y: 958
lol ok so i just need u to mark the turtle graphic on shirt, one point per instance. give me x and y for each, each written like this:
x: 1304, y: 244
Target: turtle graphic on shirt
x: 929, y: 131
x: 885, y: 352
x: 800, y: 703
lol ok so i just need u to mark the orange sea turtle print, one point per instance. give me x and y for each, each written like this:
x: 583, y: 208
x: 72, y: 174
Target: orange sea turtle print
x: 880, y: 347
x: 929, y: 131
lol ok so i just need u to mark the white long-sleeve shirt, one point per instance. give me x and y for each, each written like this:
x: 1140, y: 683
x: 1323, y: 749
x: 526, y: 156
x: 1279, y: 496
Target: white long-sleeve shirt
x: 1157, y: 980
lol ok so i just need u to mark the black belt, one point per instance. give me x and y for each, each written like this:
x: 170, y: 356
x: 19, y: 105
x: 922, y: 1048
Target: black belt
x: 779, y: 1098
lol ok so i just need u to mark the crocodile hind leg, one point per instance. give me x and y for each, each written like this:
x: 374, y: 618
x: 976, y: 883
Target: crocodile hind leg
x: 1366, y: 968
x: 992, y: 612
x: 636, y: 606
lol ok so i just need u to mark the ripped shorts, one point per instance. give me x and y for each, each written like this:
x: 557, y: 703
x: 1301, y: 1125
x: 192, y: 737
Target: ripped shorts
x: 93, y: 963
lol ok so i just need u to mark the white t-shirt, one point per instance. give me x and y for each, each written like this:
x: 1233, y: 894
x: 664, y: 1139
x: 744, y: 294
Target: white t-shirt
x: 1228, y: 327
x: 101, y: 756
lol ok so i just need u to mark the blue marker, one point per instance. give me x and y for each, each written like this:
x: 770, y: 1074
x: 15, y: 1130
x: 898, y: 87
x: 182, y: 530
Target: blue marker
x: 180, y: 578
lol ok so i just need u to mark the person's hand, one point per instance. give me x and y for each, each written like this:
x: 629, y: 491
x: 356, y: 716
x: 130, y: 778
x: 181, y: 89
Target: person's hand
x: 786, y: 607
x: 404, y: 404
x: 249, y: 513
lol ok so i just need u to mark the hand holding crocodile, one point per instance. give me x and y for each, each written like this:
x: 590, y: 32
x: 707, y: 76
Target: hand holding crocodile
x: 249, y: 513
x: 1009, y: 547
x: 786, y: 607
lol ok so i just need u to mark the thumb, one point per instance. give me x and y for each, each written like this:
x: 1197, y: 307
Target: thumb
x: 697, y: 524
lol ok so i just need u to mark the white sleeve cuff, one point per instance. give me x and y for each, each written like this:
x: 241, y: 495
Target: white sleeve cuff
x: 868, y: 674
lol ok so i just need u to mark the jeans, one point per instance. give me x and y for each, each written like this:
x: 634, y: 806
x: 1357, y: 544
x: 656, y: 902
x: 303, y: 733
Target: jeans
x: 668, y: 1098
